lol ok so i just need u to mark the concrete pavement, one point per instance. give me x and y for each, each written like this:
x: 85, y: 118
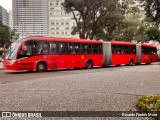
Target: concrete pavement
x: 1, y: 65
x: 101, y: 89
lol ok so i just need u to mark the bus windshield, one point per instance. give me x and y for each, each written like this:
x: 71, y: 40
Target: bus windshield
x: 12, y: 50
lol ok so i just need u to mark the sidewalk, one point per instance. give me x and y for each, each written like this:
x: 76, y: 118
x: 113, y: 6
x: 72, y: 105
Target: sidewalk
x: 1, y: 65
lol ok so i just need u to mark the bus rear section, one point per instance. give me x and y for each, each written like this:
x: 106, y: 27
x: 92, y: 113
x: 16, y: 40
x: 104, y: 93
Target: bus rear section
x: 146, y: 54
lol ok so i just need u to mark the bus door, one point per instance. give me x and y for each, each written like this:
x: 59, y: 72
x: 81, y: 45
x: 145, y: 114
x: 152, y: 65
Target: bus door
x: 117, y: 56
x: 128, y: 53
x: 62, y: 58
x: 53, y: 55
x: 145, y: 55
x: 74, y: 56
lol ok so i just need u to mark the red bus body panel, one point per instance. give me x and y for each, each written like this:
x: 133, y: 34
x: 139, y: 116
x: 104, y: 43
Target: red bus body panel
x: 147, y: 57
x: 118, y: 59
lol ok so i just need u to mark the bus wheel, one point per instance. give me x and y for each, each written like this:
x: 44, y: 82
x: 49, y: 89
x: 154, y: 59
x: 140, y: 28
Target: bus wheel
x: 89, y: 64
x: 30, y: 71
x: 131, y: 63
x: 41, y: 67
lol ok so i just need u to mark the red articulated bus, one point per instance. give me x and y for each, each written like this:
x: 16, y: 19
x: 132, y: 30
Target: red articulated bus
x: 42, y: 53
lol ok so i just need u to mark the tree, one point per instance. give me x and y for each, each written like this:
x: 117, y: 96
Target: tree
x: 6, y: 34
x: 154, y: 33
x: 152, y: 8
x: 93, y: 16
x: 133, y: 28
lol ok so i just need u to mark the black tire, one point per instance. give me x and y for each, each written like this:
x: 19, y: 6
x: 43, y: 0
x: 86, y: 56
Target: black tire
x: 131, y: 62
x: 30, y: 71
x: 89, y: 64
x: 41, y: 67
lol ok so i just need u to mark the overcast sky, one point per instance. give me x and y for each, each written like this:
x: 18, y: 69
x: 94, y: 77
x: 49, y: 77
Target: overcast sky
x: 7, y: 4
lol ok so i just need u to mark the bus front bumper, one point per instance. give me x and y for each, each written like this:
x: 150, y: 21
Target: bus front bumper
x: 10, y: 65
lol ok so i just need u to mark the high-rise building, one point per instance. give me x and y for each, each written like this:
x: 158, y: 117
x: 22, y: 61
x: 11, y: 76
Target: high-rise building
x: 60, y: 23
x: 10, y: 19
x: 30, y: 17
x: 4, y: 16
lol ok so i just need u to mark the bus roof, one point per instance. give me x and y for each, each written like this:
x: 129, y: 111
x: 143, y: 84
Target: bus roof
x: 122, y: 43
x: 49, y: 38
x: 148, y: 45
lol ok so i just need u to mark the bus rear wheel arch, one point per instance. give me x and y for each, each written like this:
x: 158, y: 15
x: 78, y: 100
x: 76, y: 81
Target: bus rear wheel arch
x: 89, y: 64
x: 41, y: 66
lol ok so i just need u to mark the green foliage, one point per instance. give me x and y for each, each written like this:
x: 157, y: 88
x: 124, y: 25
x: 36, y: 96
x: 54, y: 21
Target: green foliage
x: 149, y: 104
x: 94, y: 16
x: 0, y: 53
x: 154, y: 33
x: 152, y: 10
x: 110, y: 19
x: 133, y: 28
x: 6, y: 34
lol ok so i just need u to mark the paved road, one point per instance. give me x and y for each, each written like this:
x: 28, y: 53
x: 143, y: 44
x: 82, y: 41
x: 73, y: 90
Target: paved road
x: 103, y: 89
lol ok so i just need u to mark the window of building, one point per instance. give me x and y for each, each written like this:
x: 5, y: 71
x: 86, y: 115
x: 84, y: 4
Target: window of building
x: 67, y: 23
x: 67, y: 28
x: 51, y: 8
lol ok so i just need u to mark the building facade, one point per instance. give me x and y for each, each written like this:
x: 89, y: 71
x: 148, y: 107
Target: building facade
x: 30, y: 17
x: 4, y: 16
x: 60, y: 23
x: 10, y: 19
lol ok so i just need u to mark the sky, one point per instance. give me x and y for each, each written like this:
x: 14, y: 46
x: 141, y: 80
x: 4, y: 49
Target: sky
x: 7, y: 4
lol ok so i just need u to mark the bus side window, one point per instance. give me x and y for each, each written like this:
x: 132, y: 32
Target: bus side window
x: 133, y: 49
x: 89, y: 50
x: 74, y: 48
x: 52, y: 48
x: 40, y: 47
x: 124, y: 49
x: 28, y: 47
x: 95, y: 48
x: 77, y: 48
x: 114, y: 49
x: 62, y: 48
x: 119, y: 49
x: 100, y: 49
x: 84, y: 48
x: 143, y: 51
